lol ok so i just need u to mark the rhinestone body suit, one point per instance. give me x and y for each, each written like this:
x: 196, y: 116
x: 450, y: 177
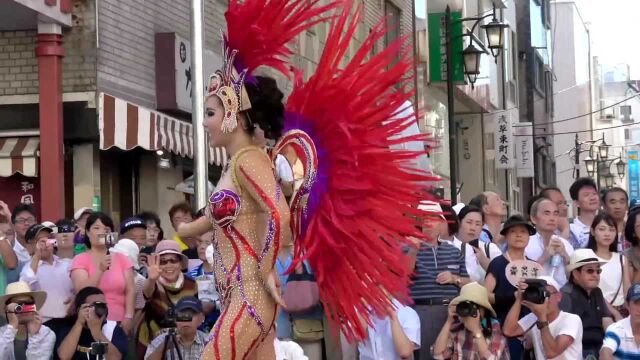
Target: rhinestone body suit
x: 251, y: 219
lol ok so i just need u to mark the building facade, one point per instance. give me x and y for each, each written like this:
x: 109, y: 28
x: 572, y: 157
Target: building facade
x: 125, y: 98
x: 573, y: 92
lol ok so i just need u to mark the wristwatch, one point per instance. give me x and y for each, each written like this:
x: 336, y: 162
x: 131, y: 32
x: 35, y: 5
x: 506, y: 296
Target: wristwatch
x: 477, y: 336
x: 542, y: 324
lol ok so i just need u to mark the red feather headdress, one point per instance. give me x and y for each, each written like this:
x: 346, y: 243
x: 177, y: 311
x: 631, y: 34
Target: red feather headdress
x: 258, y: 34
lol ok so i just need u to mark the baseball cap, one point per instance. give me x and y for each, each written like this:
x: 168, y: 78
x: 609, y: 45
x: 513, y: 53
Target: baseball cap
x: 132, y: 223
x: 189, y: 303
x: 82, y: 211
x: 633, y: 294
x: 34, y: 230
x: 432, y: 207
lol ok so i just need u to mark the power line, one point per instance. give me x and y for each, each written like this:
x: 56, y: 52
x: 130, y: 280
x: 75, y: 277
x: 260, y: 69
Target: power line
x: 581, y: 131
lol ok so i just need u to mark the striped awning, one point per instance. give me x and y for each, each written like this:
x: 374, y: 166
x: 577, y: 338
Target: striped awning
x: 126, y: 126
x: 19, y: 155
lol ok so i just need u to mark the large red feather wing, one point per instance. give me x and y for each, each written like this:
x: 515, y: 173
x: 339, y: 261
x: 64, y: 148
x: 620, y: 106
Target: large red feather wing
x: 361, y: 208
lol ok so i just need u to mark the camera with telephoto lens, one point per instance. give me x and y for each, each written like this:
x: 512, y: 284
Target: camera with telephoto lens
x: 466, y: 309
x: 100, y: 309
x: 536, y: 291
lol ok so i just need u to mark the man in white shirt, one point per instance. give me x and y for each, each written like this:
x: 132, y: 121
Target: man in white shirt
x: 48, y: 273
x: 24, y: 334
x: 584, y: 194
x: 619, y: 339
x: 555, y: 334
x: 393, y: 337
x: 544, y: 245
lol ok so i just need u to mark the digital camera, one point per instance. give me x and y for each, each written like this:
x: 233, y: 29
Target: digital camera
x: 536, y: 291
x: 466, y: 309
x: 20, y: 309
x: 174, y: 317
x: 108, y: 239
x: 100, y: 309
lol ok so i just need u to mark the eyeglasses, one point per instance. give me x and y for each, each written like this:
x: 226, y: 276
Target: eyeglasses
x: 169, y: 261
x: 23, y: 221
x: 591, y: 271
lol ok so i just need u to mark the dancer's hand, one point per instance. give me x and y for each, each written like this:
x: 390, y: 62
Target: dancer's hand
x: 273, y: 287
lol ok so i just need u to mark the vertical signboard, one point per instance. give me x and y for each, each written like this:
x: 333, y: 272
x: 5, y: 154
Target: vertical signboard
x: 504, y: 142
x: 524, y: 149
x: 634, y: 176
x: 438, y: 50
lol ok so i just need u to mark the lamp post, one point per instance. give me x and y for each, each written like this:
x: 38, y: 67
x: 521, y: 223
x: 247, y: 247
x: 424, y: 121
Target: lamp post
x: 595, y: 165
x: 471, y: 56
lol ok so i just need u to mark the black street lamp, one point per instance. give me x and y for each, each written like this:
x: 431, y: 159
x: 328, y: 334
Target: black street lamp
x: 621, y: 166
x: 495, y: 36
x: 471, y: 56
x: 609, y: 180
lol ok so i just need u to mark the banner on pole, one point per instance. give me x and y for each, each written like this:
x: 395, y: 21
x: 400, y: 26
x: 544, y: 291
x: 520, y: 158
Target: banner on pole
x: 524, y: 150
x: 633, y: 172
x: 504, y: 142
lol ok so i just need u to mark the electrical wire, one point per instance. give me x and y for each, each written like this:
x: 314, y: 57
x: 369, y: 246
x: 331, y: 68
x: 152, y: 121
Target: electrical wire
x: 581, y: 131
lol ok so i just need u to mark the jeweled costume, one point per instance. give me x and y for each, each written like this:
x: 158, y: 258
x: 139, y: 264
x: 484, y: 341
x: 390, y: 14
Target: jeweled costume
x: 357, y: 204
x: 248, y: 210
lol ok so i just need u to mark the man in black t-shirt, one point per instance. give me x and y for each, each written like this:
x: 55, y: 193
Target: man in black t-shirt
x: 582, y: 296
x: 76, y: 334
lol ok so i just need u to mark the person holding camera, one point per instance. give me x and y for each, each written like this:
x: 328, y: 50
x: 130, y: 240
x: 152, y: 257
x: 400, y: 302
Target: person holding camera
x: 24, y: 336
x: 582, y: 296
x: 554, y: 334
x: 109, y: 272
x: 47, y: 272
x: 185, y: 340
x: 86, y: 333
x: 65, y: 239
x: 471, y: 330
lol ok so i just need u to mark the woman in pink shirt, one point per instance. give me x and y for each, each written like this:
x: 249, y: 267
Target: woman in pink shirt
x: 109, y: 272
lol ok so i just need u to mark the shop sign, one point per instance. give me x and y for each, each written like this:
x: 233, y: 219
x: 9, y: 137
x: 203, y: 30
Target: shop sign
x: 438, y: 49
x: 634, y: 176
x: 524, y: 149
x: 504, y: 142
x: 19, y: 189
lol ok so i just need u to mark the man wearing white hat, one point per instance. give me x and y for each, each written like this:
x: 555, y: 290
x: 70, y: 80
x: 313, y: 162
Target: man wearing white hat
x: 582, y: 296
x: 555, y: 334
x: 24, y: 335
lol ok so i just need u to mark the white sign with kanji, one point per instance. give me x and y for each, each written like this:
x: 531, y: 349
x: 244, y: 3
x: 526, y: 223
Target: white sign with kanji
x: 524, y: 149
x: 504, y: 142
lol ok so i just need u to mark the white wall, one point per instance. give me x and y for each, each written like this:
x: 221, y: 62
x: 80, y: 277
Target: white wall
x: 571, y: 88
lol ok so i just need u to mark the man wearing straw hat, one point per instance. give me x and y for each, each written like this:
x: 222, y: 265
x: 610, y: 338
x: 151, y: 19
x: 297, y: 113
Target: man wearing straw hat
x: 24, y: 335
x: 471, y: 328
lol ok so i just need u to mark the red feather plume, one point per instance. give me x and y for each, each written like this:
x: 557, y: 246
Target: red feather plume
x: 261, y: 29
x: 361, y: 208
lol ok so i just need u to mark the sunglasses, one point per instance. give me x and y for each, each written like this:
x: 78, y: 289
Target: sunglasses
x: 169, y: 261
x: 591, y: 271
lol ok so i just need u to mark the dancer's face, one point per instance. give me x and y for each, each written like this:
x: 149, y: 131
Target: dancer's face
x: 214, y: 114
